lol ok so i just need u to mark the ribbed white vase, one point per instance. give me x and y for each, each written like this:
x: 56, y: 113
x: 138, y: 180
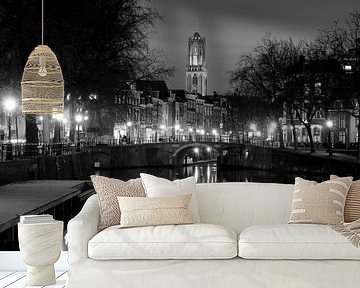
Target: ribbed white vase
x: 40, y: 247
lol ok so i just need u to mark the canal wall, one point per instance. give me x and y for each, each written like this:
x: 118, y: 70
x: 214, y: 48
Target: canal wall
x: 290, y: 161
x: 133, y: 156
x: 77, y: 165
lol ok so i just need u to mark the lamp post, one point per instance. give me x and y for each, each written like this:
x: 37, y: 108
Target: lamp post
x: 129, y: 124
x: 191, y: 130
x: 9, y: 106
x: 163, y: 127
x: 214, y: 132
x: 86, y: 118
x: 272, y: 132
x: 78, y: 119
x: 329, y: 124
x: 41, y: 118
x: 253, y: 129
x: 177, y: 128
x: 64, y: 121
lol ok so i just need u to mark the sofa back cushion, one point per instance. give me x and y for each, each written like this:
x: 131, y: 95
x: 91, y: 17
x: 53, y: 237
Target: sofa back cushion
x: 237, y: 205
x: 161, y: 187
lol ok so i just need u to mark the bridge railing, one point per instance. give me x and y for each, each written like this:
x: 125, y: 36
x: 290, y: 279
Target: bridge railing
x: 14, y: 151
x: 172, y: 139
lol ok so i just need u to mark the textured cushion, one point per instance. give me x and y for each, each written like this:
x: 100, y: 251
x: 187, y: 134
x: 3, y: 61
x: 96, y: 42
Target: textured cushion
x: 107, y: 190
x: 301, y: 241
x: 321, y: 203
x: 192, y: 241
x: 352, y: 202
x: 143, y: 211
x: 159, y: 187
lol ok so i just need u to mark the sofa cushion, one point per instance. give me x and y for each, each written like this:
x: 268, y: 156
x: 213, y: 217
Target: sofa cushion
x: 191, y: 241
x: 319, y: 203
x: 145, y: 211
x: 160, y: 187
x: 352, y: 202
x: 295, y: 241
x: 107, y: 190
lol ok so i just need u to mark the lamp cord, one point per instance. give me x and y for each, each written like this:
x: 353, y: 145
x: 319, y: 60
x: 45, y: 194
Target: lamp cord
x: 42, y: 22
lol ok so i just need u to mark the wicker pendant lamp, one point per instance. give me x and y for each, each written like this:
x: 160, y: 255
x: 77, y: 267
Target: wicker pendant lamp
x: 42, y: 84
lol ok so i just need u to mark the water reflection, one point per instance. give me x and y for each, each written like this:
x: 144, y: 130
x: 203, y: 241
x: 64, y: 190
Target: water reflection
x: 209, y: 173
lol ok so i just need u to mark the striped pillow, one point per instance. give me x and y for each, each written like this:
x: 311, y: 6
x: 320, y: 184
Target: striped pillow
x: 321, y: 203
x: 352, y: 202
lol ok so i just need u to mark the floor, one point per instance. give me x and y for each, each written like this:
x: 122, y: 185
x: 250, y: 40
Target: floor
x: 13, y: 270
x: 16, y: 279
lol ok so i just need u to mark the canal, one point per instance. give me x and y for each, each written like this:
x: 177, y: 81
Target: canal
x: 210, y: 173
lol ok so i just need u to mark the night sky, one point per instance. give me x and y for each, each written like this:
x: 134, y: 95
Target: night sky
x: 234, y: 27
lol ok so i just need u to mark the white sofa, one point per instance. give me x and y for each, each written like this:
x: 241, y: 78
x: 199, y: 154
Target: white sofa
x: 259, y: 247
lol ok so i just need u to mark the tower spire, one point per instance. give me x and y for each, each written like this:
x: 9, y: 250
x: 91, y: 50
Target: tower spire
x: 196, y: 72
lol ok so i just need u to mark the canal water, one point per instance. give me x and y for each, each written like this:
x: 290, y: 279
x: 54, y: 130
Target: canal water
x: 209, y: 173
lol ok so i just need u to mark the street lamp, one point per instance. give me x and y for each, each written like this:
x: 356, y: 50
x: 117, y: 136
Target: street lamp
x: 163, y: 132
x: 253, y: 129
x: 78, y: 119
x: 129, y: 124
x: 214, y: 132
x: 191, y: 130
x: 273, y: 126
x: 41, y: 118
x: 86, y: 118
x: 177, y: 128
x: 64, y: 121
x: 9, y: 106
x: 329, y: 124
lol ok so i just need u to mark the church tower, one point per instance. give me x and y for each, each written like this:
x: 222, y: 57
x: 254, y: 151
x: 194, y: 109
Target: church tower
x: 196, y: 73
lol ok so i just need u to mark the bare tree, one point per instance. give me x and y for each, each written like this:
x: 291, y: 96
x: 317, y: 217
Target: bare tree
x: 265, y: 71
x: 342, y: 39
x: 100, y: 46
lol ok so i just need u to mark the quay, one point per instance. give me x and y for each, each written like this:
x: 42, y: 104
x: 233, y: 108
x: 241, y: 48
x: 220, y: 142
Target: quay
x: 62, y: 199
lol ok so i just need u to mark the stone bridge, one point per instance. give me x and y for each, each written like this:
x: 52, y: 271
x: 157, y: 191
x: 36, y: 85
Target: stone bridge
x: 161, y: 153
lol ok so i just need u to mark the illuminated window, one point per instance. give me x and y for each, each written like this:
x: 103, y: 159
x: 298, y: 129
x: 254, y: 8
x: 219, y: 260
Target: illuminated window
x: 342, y: 137
x: 342, y: 121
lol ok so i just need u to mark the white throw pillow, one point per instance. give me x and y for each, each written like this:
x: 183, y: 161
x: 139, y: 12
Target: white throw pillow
x: 160, y: 187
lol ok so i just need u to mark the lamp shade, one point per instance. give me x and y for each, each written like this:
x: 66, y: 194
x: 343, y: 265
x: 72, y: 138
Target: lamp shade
x: 42, y: 84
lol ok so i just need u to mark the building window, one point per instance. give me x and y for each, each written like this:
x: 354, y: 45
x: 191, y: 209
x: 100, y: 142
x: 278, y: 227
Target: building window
x: 316, y: 134
x: 339, y: 104
x: 318, y: 114
x: 342, y: 121
x: 342, y: 137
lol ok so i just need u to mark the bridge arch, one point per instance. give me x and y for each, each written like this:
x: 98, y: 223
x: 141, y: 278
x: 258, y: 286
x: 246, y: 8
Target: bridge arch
x: 180, y: 153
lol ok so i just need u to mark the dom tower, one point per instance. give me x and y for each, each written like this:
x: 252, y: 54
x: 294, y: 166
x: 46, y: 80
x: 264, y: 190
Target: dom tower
x: 196, y: 73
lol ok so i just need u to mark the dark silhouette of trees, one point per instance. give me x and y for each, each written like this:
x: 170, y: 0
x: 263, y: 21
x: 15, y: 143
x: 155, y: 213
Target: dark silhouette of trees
x: 100, y: 45
x: 343, y: 41
x: 264, y: 73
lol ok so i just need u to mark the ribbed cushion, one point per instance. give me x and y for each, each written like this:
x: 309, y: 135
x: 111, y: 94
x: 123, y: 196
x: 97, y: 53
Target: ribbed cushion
x: 295, y: 241
x: 321, y: 203
x: 191, y: 241
x: 352, y: 202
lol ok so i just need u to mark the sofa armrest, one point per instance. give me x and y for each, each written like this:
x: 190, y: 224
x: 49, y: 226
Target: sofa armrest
x: 81, y: 229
